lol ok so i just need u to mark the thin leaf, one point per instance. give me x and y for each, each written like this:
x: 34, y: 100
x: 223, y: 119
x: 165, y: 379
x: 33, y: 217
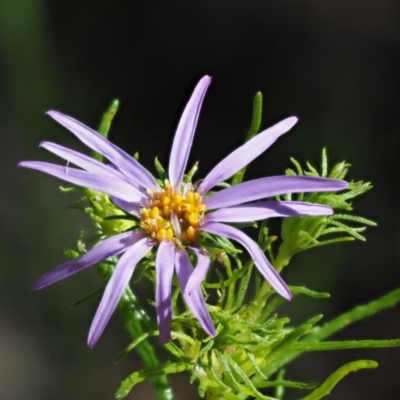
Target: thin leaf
x: 356, y: 314
x: 140, y: 339
x: 253, y: 130
x: 160, y: 170
x: 94, y: 295
x: 289, y: 384
x: 338, y: 375
x: 281, y: 347
x: 337, y: 324
x: 343, y: 345
x: 139, y: 376
x: 243, y: 285
x: 105, y: 124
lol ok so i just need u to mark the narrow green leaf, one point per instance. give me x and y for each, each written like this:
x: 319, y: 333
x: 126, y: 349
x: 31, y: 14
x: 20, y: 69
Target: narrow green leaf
x: 338, y: 375
x: 273, y: 304
x: 228, y: 373
x: 139, y: 376
x: 183, y: 337
x: 297, y: 165
x: 313, y: 171
x: 289, y: 384
x: 160, y: 170
x: 135, y: 343
x: 237, y: 273
x: 324, y: 163
x: 257, y: 116
x: 105, y: 124
x: 253, y: 130
x: 354, y: 218
x: 202, y: 352
x: 345, y: 228
x: 243, y: 285
x: 247, y: 382
x: 216, y: 377
x: 281, y: 347
x: 97, y: 293
x: 337, y: 324
x: 343, y: 345
x: 280, y: 389
x: 356, y: 314
x: 189, y: 176
x: 309, y: 292
x: 253, y: 361
x: 66, y: 189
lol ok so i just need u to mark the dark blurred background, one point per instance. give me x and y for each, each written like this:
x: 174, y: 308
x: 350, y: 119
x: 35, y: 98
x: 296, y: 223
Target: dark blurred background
x: 334, y: 63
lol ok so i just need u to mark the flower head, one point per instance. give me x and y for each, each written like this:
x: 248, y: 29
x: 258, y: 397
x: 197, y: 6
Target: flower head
x: 173, y: 215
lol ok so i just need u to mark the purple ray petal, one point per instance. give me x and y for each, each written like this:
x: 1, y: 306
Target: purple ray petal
x: 116, y: 286
x: 261, y: 262
x: 87, y: 163
x: 131, y: 207
x: 103, y: 183
x: 246, y: 153
x: 262, y: 188
x: 194, y: 300
x: 199, y: 273
x: 185, y: 132
x: 127, y: 164
x: 107, y: 248
x: 266, y: 209
x: 164, y: 269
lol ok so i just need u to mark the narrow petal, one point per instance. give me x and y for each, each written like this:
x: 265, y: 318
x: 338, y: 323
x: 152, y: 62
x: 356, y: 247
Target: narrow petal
x: 185, y: 132
x: 262, y: 188
x: 261, y: 262
x: 267, y: 209
x: 103, y: 183
x: 107, y: 248
x: 116, y: 286
x: 127, y: 164
x: 199, y: 273
x: 131, y: 207
x: 164, y: 270
x: 246, y: 153
x: 194, y: 300
x: 80, y: 160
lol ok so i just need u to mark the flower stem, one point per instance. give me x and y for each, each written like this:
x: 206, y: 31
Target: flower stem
x: 132, y: 314
x: 134, y: 318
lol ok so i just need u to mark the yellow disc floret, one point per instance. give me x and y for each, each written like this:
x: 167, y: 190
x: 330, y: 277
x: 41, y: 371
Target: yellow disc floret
x: 172, y: 215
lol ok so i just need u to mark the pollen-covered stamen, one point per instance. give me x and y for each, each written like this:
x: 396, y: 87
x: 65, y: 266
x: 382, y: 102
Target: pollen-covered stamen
x: 173, y: 215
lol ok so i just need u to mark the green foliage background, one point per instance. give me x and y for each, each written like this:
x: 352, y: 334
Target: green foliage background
x: 333, y: 64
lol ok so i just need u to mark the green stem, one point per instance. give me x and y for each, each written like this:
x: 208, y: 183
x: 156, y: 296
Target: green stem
x: 325, y: 389
x: 321, y: 333
x: 134, y: 318
x: 132, y: 314
x: 254, y: 128
x: 356, y: 314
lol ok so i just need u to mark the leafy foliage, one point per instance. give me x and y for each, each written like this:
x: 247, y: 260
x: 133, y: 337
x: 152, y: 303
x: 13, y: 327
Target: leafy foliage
x: 254, y: 343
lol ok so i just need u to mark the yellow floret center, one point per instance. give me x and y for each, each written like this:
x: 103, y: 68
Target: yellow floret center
x: 168, y: 205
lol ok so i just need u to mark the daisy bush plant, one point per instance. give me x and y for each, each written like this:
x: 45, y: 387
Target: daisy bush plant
x: 213, y: 311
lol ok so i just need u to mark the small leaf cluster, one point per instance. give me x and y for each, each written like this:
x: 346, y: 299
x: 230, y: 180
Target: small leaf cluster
x: 303, y: 233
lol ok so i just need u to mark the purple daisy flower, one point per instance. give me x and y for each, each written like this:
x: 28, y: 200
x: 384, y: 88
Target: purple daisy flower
x: 173, y: 216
